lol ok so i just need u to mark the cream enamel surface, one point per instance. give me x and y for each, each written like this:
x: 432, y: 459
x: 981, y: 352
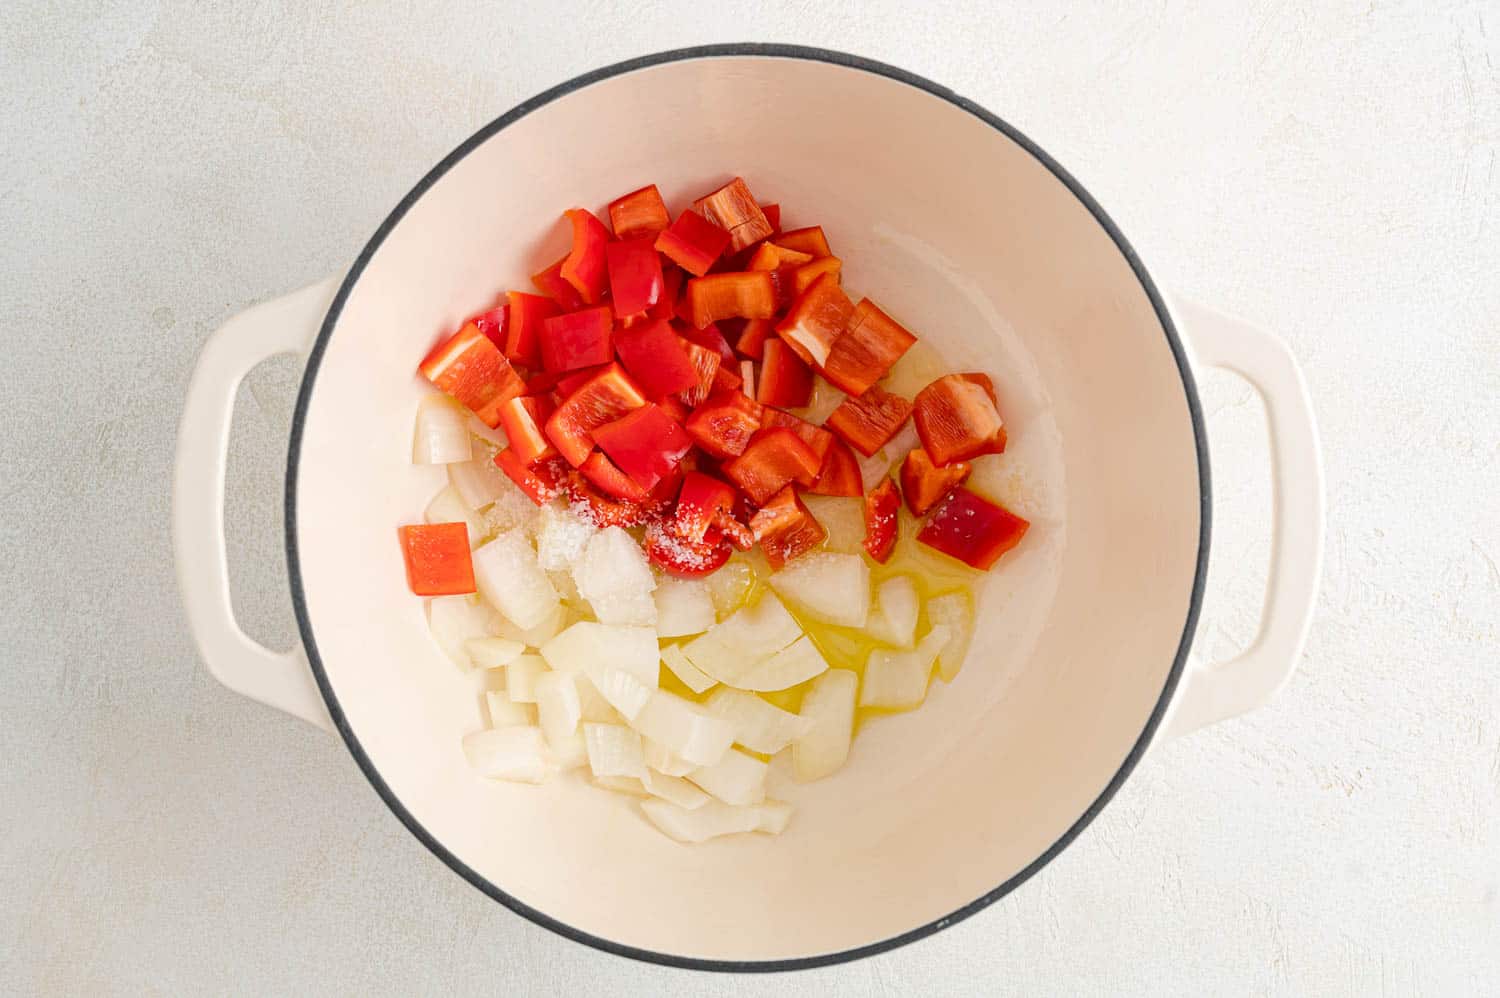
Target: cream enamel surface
x: 955, y: 230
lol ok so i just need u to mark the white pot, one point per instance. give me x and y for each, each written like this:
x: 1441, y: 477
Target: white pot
x: 987, y: 249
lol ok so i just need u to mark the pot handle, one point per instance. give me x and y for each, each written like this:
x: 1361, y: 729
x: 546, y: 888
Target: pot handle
x: 1219, y: 690
x: 280, y: 679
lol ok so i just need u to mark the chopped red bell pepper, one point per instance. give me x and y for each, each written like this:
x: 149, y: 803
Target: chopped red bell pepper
x: 753, y: 337
x: 577, y: 339
x: 699, y: 504
x: 769, y: 256
x: 958, y: 417
x: 747, y: 294
x: 804, y: 276
x: 657, y: 358
x: 809, y: 240
x: 639, y: 213
x: 817, y: 319
x: 570, y: 382
x: 773, y: 215
x: 870, y: 346
x: 734, y: 531
x: 672, y: 406
x: 733, y: 209
x: 604, y: 398
x: 725, y: 380
x: 604, y: 511
x: 635, y: 278
x: 784, y: 379
x: 493, y: 324
x: 786, y: 528
x: 645, y: 443
x: 774, y: 458
x: 550, y: 282
x: 523, y: 337
x: 925, y: 484
x: 671, y: 291
x: 712, y: 337
x: 584, y: 267
x: 437, y: 558
x: 819, y: 439
x: 522, y: 420
x: 869, y: 421
x: 693, y: 243
x: 468, y: 366
x: 839, y: 475
x: 706, y: 363
x: 610, y: 480
x: 682, y: 557
x: 543, y: 382
x: 972, y: 529
x: 882, y: 511
x: 724, y: 423
x: 541, y: 483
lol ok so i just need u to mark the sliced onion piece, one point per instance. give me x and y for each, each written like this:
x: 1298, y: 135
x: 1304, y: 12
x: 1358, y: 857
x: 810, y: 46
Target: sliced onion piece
x: 510, y: 753
x: 592, y: 648
x: 692, y: 677
x: 447, y: 507
x: 571, y: 752
x: 561, y: 536
x: 505, y: 712
x: 621, y: 690
x: 954, y: 611
x: 511, y: 581
x: 834, y: 588
x: 664, y: 760
x: 730, y: 586
x: 796, y: 663
x: 758, y: 725
x: 614, y: 750
x: 685, y: 729
x: 897, y: 680
x: 844, y: 519
x: 714, y: 819
x: 521, y: 676
x: 613, y: 574
x: 557, y: 706
x: 735, y: 779
x: 749, y: 637
x: 478, y: 482
x: 829, y: 705
x: 621, y: 785
x: 674, y: 790
x: 593, y: 706
x: 454, y: 620
x: 442, y: 432
x: 683, y: 607
x: 538, y: 634
x: 894, y: 617
x: 494, y: 438
x: 492, y: 653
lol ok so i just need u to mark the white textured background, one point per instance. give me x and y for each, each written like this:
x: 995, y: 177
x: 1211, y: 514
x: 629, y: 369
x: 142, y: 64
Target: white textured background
x: 1327, y: 170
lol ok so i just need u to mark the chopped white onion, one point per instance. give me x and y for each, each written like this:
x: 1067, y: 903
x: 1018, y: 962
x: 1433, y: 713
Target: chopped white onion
x: 592, y: 648
x: 829, y: 705
x: 714, y: 819
x: 844, y: 519
x: 674, y: 790
x: 747, y: 377
x: 538, y: 634
x: 593, y: 706
x: 954, y: 611
x: 692, y: 677
x: 834, y: 588
x: 735, y: 779
x: 561, y: 536
x: 447, y: 507
x: 758, y: 725
x: 614, y: 750
x: 493, y: 436
x: 796, y: 663
x: 621, y: 785
x: 750, y: 636
x: 664, y: 760
x: 613, y: 574
x: 478, y: 482
x: 453, y: 620
x: 684, y: 728
x: 571, y: 752
x: 894, y: 617
x: 897, y: 680
x: 825, y: 398
x: 873, y: 469
x: 442, y: 432
x: 521, y: 675
x: 492, y: 653
x: 730, y: 586
x: 683, y: 607
x: 512, y: 582
x: 505, y: 712
x: 903, y: 443
x: 621, y: 690
x: 510, y: 753
x: 557, y: 706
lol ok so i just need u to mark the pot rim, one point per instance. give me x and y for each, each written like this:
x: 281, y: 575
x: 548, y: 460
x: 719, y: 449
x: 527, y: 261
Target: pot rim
x: 304, y: 395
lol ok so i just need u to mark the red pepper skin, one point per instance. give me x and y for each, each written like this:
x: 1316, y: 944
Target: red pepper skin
x: 746, y: 294
x: 604, y: 511
x: 609, y: 479
x: 577, y: 339
x: 882, y: 507
x: 672, y: 406
x: 671, y: 291
x: 724, y: 423
x: 522, y: 420
x: 657, y: 358
x: 816, y: 320
x: 706, y: 363
x: 925, y: 484
x: 639, y: 213
x: 868, y: 422
x: 523, y: 334
x: 550, y: 282
x: 775, y: 458
x: 584, y: 267
x: 809, y: 240
x: 702, y: 499
x: 839, y: 475
x: 693, y: 243
x: 493, y: 324
x: 682, y: 557
x: 769, y: 256
x: 786, y: 528
x: 712, y: 337
x: 804, y: 276
x: 468, y: 366
x: 645, y: 443
x: 773, y: 216
x: 725, y: 380
x: 752, y: 341
x: 437, y: 558
x: 871, y: 345
x: 635, y: 278
x: 972, y: 529
x: 958, y: 417
x: 541, y: 484
x: 604, y: 398
x: 784, y: 379
x: 733, y: 208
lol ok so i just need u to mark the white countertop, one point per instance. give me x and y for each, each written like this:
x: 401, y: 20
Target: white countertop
x: 1330, y: 171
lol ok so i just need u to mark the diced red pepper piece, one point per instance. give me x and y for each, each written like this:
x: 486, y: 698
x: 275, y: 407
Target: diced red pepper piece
x: 725, y: 380
x: 819, y: 439
x: 972, y: 529
x: 773, y: 215
x: 786, y: 528
x: 604, y: 398
x: 804, y: 276
x: 543, y: 382
x: 682, y: 557
x: 523, y: 337
x: 657, y: 358
x: 816, y: 320
x: 639, y: 213
x: 712, y: 337
x: 839, y: 475
x: 570, y: 382
x: 868, y: 422
x: 671, y: 291
x: 774, y: 458
x: 809, y: 240
x: 541, y: 483
x: 645, y: 443
x: 610, y: 480
x: 734, y: 531
x: 769, y: 256
x: 577, y: 339
x: 925, y: 484
x: 882, y: 510
x: 493, y: 324
x: 604, y: 511
x: 693, y: 243
x: 733, y: 209
x: 468, y: 366
x: 550, y: 282
x: 958, y: 417
x: 584, y: 267
x: 437, y: 558
x: 635, y: 278
x: 724, y: 424
x: 699, y: 504
x: 672, y: 406
x: 752, y: 341
x: 747, y: 294
x: 784, y: 379
x: 706, y: 363
x: 870, y: 346
x: 522, y: 420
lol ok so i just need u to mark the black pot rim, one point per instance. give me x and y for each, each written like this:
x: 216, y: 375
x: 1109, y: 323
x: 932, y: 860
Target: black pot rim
x: 304, y: 395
